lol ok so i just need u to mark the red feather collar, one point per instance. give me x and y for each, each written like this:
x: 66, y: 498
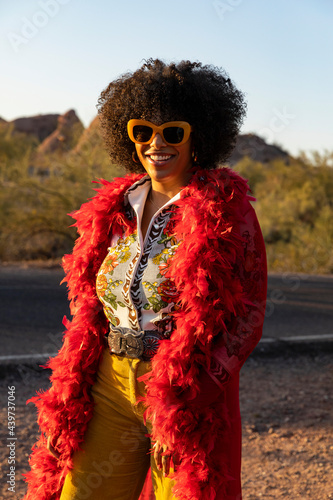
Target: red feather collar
x: 206, y: 221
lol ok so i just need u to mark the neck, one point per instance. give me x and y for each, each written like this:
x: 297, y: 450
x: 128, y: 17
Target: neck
x: 163, y: 192
x: 158, y: 199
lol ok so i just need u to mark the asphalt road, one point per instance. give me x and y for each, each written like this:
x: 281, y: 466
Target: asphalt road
x: 32, y: 305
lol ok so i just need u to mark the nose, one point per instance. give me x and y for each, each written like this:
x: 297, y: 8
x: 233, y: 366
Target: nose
x: 157, y: 141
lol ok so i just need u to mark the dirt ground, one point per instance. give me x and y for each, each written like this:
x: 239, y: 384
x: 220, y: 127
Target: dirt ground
x: 286, y: 404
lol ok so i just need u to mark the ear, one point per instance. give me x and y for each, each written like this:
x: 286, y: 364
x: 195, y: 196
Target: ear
x: 135, y: 157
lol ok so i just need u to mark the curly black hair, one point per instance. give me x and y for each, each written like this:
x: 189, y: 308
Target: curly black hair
x: 202, y: 95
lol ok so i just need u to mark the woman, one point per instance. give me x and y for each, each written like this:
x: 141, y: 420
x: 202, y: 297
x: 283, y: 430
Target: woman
x: 167, y: 283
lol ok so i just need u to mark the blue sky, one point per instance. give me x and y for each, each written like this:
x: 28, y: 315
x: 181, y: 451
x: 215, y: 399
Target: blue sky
x: 59, y: 54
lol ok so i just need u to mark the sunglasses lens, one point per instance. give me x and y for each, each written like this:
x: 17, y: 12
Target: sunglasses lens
x: 173, y: 135
x: 142, y: 133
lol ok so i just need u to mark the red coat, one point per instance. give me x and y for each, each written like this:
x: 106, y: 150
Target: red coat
x: 192, y: 390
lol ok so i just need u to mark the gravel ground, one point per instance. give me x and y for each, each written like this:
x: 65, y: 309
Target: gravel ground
x: 286, y: 405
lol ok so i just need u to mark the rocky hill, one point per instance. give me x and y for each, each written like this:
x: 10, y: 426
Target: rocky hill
x: 65, y: 133
x: 91, y: 135
x: 40, y: 125
x: 257, y: 149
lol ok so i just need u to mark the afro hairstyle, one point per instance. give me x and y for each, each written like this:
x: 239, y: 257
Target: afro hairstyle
x: 202, y: 95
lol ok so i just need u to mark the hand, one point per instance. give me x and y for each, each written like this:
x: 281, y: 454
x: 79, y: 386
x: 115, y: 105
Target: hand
x: 51, y: 447
x: 163, y: 458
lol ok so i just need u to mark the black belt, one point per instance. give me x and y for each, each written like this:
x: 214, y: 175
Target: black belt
x: 132, y: 344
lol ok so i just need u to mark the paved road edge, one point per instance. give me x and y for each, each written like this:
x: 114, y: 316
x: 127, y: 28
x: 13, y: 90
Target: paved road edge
x: 267, y: 347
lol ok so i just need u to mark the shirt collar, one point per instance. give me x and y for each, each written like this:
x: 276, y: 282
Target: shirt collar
x: 137, y: 194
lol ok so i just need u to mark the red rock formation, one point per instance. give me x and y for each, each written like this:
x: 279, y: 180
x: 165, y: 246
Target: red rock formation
x: 257, y: 149
x: 66, y: 135
x: 91, y: 135
x: 39, y: 125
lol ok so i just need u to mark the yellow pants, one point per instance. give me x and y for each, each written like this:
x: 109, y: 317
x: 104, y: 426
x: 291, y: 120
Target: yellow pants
x: 115, y: 458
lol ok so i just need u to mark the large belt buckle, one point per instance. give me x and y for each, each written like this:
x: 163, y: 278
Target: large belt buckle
x: 124, y: 341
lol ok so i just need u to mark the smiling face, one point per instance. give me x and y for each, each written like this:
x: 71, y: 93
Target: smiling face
x: 167, y: 166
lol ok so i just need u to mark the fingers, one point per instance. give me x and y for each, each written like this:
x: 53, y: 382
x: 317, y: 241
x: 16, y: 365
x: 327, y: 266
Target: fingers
x: 50, y: 447
x: 166, y: 459
x: 163, y: 458
x: 158, y: 455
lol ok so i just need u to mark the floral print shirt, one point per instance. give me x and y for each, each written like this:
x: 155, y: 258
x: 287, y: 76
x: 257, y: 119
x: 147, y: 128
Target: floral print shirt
x: 131, y: 282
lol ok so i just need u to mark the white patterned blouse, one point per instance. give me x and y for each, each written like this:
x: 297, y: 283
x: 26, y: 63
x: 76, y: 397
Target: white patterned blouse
x: 130, y: 283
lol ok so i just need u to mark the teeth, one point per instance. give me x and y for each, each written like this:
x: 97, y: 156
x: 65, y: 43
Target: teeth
x: 160, y: 157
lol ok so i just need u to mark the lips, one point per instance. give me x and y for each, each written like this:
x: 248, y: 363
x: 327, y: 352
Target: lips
x: 160, y: 157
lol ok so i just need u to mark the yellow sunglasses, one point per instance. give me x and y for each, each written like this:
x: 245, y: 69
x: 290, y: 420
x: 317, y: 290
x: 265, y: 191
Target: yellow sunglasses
x: 173, y: 133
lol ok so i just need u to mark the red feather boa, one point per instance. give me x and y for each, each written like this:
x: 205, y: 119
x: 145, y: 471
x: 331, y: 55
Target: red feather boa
x: 207, y: 221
